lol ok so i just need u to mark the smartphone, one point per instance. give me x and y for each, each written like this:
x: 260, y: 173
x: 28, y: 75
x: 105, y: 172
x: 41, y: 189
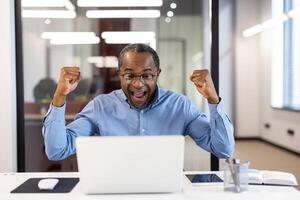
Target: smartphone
x: 204, y: 178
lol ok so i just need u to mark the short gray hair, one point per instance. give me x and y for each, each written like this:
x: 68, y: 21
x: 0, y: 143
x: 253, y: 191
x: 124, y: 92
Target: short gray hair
x: 138, y: 47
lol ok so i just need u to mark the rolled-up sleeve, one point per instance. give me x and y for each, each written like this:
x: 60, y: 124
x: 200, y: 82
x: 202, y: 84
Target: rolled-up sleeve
x: 214, y: 135
x: 59, y: 139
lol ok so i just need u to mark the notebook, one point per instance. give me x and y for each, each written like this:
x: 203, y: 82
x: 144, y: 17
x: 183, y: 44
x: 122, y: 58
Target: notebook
x: 271, y: 177
x: 130, y: 164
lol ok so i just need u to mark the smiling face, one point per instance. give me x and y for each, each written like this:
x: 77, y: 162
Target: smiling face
x: 136, y: 64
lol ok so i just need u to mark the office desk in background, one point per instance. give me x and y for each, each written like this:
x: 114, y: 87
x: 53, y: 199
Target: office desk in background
x: 9, y: 181
x: 35, y: 157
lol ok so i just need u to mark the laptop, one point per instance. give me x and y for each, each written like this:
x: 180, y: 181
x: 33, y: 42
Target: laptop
x: 130, y: 164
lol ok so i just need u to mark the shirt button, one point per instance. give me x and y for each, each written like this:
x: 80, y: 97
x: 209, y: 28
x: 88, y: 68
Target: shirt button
x: 143, y: 130
x: 142, y: 111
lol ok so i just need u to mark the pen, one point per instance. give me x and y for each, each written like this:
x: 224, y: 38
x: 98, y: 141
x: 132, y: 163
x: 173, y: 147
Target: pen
x: 233, y: 174
x: 237, y: 174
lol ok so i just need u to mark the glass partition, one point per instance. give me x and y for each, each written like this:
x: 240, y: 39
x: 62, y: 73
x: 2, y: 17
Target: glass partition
x: 90, y: 34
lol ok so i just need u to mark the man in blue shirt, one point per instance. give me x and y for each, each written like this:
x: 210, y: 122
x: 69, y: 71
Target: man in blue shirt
x: 139, y: 108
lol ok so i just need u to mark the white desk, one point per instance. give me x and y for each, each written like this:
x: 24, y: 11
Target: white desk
x: 9, y: 181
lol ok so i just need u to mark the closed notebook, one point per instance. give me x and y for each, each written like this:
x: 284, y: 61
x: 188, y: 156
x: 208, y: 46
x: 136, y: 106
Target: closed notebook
x: 271, y: 177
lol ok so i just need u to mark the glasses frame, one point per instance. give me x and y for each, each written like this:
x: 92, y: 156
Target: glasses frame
x: 139, y: 77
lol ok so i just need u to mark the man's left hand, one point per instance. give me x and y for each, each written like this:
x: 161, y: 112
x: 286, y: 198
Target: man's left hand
x: 205, y: 86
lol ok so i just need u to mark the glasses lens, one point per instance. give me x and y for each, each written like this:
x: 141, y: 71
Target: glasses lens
x: 143, y: 78
x: 128, y: 77
x: 147, y: 77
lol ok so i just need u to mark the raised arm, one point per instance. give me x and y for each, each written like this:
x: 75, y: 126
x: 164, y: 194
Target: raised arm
x: 59, y: 139
x: 216, y: 134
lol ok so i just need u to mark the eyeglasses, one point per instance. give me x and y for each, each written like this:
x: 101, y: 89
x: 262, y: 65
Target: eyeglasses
x: 144, y: 78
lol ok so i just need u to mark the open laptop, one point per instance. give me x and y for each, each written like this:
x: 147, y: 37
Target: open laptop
x: 130, y: 164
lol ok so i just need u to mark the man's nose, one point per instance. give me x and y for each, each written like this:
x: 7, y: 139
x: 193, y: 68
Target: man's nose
x: 137, y: 82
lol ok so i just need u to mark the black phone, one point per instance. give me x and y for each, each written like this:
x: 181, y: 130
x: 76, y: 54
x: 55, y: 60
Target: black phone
x: 204, y: 178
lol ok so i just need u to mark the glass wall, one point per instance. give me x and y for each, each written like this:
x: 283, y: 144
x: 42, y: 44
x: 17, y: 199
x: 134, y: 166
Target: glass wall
x: 90, y: 35
x: 286, y: 68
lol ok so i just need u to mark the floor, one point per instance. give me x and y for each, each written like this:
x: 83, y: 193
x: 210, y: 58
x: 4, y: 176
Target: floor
x: 268, y: 157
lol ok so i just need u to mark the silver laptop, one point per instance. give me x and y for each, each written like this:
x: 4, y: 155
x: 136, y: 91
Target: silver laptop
x: 130, y: 164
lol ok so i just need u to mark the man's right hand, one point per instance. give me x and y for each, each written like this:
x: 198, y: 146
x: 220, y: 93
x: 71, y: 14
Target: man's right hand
x: 68, y: 81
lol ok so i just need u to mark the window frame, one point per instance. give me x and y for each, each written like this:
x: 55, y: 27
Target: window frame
x: 287, y: 56
x: 287, y: 53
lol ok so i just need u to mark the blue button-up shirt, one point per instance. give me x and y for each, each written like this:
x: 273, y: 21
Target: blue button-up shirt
x: 112, y: 115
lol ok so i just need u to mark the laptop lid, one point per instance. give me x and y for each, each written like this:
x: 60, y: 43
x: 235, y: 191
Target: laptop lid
x: 130, y: 164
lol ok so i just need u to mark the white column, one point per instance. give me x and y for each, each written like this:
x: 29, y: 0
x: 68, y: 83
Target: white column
x: 8, y: 136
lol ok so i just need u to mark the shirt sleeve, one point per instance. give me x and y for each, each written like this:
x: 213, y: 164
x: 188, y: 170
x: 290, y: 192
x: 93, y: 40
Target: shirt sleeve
x: 59, y: 139
x: 214, y: 135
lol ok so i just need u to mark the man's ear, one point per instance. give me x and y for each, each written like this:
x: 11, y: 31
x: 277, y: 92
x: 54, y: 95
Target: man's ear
x: 159, y: 70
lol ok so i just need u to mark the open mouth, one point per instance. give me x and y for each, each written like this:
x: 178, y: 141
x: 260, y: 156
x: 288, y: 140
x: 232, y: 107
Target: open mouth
x: 139, y: 95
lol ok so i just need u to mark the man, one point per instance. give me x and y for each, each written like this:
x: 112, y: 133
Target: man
x: 139, y: 108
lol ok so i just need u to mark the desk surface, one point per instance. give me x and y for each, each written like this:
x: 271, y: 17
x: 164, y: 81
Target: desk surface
x: 9, y: 181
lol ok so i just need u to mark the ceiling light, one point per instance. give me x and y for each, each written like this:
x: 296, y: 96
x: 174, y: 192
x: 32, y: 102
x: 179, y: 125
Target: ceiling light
x: 69, y: 5
x: 59, y: 38
x: 128, y: 40
x: 173, y: 5
x: 253, y: 30
x: 43, y: 3
x: 271, y: 22
x: 48, y: 4
x: 119, y: 3
x: 170, y: 13
x: 294, y: 13
x: 167, y: 19
x: 95, y: 59
x: 127, y: 34
x: 128, y: 37
x: 123, y: 13
x: 63, y: 41
x: 274, y: 21
x: 265, y: 25
x: 56, y: 35
x: 103, y: 61
x: 48, y: 14
x: 47, y: 21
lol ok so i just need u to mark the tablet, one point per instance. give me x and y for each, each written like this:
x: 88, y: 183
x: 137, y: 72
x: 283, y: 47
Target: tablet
x: 203, y: 179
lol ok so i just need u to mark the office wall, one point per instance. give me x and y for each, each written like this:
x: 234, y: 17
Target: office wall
x: 253, y: 81
x: 280, y: 120
x: 8, y: 158
x: 247, y: 72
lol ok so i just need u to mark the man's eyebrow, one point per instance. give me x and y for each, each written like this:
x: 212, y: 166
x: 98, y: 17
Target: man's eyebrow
x: 128, y: 69
x: 148, y: 69
x: 144, y: 70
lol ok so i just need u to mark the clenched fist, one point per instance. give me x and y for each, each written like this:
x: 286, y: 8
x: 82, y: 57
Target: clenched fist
x: 205, y: 86
x: 68, y: 81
